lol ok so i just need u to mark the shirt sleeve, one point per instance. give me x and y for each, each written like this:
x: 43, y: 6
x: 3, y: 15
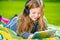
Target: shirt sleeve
x: 25, y: 35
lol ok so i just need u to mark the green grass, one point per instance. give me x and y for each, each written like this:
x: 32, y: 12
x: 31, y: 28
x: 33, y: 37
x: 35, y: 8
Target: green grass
x: 51, y: 10
x: 8, y: 9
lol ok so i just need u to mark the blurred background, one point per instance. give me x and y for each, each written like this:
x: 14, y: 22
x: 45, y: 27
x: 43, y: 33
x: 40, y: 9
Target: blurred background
x: 8, y: 8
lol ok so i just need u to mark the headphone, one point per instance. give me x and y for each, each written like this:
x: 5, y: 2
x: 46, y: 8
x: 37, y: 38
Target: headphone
x: 26, y: 10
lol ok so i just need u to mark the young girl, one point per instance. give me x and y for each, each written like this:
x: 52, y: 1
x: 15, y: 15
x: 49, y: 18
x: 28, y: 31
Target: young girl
x: 32, y: 19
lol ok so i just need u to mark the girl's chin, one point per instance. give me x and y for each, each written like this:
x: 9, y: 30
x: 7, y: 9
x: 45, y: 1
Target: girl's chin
x: 34, y: 20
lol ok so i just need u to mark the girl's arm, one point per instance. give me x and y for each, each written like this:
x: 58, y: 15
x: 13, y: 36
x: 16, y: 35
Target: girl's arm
x: 26, y: 35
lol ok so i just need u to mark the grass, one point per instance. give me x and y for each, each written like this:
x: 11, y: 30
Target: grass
x: 8, y: 9
x: 51, y: 10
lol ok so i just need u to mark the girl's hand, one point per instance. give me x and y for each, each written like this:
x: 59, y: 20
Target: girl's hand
x: 30, y: 36
x: 52, y: 36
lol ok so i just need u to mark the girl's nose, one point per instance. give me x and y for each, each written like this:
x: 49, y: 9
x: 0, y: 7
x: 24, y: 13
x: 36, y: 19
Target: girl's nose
x: 36, y: 15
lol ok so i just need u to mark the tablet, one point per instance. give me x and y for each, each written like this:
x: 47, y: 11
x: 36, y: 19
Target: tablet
x: 43, y: 34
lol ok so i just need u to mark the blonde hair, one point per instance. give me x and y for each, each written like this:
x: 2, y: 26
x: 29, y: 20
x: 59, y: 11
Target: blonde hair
x: 26, y: 24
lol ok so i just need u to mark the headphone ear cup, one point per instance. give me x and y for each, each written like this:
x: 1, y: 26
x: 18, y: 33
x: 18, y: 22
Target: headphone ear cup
x: 26, y: 10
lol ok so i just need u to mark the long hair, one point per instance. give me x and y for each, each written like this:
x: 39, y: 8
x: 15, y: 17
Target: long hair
x: 26, y: 24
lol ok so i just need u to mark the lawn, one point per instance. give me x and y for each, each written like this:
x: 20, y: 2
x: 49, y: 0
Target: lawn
x: 51, y: 10
x: 8, y: 9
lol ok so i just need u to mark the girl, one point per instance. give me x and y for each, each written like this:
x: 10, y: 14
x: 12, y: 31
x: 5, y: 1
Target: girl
x: 32, y: 19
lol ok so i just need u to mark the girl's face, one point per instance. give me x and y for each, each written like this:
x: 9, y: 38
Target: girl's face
x: 34, y: 13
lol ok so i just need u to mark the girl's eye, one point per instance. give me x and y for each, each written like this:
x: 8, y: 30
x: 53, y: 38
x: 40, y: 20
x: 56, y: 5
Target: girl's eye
x: 38, y: 13
x: 33, y: 12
